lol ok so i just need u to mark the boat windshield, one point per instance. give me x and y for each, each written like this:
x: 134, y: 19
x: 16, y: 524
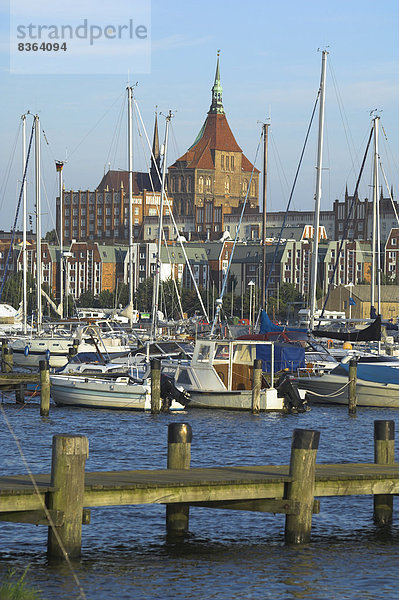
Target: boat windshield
x: 222, y: 352
x: 245, y: 354
x: 203, y: 353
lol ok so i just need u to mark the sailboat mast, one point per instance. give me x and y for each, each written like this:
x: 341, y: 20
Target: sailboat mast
x: 130, y: 191
x: 265, y: 149
x: 59, y: 166
x: 155, y: 296
x: 24, y: 210
x: 38, y: 225
x: 375, y: 261
x: 313, y: 304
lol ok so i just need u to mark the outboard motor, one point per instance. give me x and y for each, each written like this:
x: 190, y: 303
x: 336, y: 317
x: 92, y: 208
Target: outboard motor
x: 287, y: 388
x: 169, y: 391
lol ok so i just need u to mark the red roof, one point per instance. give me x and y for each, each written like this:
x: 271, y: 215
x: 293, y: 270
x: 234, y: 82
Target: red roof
x: 216, y: 135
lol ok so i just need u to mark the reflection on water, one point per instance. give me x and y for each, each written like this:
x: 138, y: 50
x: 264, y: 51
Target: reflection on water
x: 228, y: 555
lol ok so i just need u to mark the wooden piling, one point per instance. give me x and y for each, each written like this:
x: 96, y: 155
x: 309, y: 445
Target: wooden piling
x: 68, y: 480
x: 155, y: 386
x: 20, y: 394
x: 352, y: 400
x: 44, y: 388
x: 179, y: 457
x: 4, y: 345
x: 304, y: 448
x: 256, y: 386
x: 7, y: 364
x: 384, y: 454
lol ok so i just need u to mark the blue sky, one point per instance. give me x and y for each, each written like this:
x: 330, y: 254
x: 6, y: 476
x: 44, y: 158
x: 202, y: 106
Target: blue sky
x: 270, y: 66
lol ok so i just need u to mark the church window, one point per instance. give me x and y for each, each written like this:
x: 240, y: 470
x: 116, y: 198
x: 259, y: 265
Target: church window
x: 201, y: 185
x: 189, y: 184
x: 232, y: 163
x: 174, y: 184
x: 218, y: 214
x: 200, y: 215
x: 227, y: 162
x: 245, y: 186
x: 222, y: 161
x: 208, y: 213
x: 208, y: 184
x: 181, y: 184
x: 253, y: 188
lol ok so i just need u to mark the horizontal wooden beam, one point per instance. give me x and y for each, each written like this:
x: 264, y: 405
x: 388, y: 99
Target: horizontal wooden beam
x: 276, y: 506
x: 41, y: 517
x: 187, y: 494
x: 36, y: 517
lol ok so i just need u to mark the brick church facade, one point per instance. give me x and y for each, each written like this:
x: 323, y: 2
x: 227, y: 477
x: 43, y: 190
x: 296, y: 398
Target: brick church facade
x: 212, y: 178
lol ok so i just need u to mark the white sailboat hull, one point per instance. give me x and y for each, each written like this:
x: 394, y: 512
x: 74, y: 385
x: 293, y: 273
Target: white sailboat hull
x: 368, y: 393
x: 89, y: 392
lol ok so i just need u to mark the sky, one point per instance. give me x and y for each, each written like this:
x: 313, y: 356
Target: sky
x: 270, y: 62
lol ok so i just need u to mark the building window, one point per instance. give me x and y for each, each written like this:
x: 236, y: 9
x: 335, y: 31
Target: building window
x: 201, y: 185
x: 222, y: 161
x: 208, y: 184
x: 245, y: 186
x: 232, y: 163
x: 227, y: 163
x: 227, y: 185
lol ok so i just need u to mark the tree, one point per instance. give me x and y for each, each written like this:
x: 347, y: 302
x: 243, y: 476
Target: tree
x: 51, y: 237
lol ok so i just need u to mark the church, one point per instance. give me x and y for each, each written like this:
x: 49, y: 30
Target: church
x: 212, y: 178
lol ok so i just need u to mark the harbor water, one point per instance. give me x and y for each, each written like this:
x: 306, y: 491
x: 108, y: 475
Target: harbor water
x: 228, y: 555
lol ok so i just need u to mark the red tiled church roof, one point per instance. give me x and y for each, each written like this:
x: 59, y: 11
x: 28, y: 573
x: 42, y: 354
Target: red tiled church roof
x: 216, y: 135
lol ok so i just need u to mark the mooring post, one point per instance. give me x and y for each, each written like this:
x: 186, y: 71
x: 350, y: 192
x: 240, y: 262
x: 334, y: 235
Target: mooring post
x: 8, y: 360
x: 384, y: 454
x: 4, y: 345
x: 179, y: 457
x: 44, y: 388
x: 155, y: 385
x: 68, y: 480
x: 352, y: 400
x: 300, y: 489
x: 256, y: 386
x: 20, y: 394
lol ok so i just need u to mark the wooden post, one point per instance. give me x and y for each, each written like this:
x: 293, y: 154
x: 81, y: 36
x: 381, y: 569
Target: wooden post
x: 179, y: 456
x: 4, y: 346
x: 352, y: 400
x: 20, y: 394
x: 256, y: 386
x: 384, y: 454
x: 304, y: 448
x: 44, y: 388
x: 155, y: 386
x: 68, y: 479
x: 8, y: 360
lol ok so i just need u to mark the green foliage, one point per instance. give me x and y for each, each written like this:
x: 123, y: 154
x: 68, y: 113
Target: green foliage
x: 12, y: 292
x: 52, y: 237
x: 16, y: 589
x: 289, y: 301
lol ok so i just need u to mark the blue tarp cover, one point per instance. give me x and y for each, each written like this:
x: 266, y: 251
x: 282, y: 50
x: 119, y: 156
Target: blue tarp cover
x: 267, y: 326
x: 286, y: 356
x: 373, y: 372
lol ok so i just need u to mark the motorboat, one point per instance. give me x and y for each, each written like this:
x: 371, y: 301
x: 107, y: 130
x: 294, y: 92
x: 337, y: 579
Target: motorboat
x: 220, y: 373
x: 110, y: 390
x: 377, y: 385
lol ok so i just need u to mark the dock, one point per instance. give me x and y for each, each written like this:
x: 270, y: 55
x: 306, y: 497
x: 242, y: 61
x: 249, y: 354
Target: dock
x: 62, y: 499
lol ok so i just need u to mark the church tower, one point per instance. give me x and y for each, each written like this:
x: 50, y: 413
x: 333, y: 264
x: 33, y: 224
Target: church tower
x: 155, y: 168
x: 211, y: 179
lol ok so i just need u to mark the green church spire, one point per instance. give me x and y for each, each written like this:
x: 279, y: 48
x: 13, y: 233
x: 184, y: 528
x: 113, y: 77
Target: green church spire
x: 217, y: 90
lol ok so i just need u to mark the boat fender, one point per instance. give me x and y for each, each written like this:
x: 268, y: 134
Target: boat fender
x: 26, y: 350
x: 47, y: 354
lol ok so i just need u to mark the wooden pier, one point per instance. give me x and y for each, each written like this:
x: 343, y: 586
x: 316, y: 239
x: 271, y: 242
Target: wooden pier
x: 60, y: 500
